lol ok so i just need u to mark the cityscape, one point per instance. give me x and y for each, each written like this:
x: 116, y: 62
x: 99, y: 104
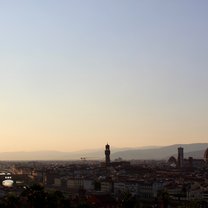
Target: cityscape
x: 104, y: 104
x: 175, y: 182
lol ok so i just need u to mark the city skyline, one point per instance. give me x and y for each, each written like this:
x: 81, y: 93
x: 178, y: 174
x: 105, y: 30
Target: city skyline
x: 76, y: 75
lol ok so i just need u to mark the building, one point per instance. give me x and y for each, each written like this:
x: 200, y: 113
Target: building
x: 180, y: 157
x: 206, y: 155
x: 183, y: 163
x: 106, y: 186
x: 107, y: 154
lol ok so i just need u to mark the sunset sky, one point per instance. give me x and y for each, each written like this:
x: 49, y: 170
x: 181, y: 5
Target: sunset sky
x: 76, y: 74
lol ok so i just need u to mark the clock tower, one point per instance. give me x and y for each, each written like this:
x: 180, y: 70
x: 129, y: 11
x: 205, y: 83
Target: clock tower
x: 107, y: 154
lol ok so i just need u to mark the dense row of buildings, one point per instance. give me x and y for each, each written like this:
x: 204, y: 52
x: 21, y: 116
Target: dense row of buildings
x: 190, y: 162
x: 181, y: 179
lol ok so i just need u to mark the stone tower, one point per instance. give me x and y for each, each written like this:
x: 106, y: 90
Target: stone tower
x: 107, y: 154
x: 180, y: 157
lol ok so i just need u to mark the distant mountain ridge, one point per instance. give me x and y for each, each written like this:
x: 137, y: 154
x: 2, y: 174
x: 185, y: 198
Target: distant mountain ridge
x: 195, y: 150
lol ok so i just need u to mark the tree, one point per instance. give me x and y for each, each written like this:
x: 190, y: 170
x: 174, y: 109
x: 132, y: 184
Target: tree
x: 128, y: 200
x: 163, y: 198
x: 36, y: 196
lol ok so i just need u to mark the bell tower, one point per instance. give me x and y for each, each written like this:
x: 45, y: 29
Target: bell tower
x: 180, y: 157
x: 107, y: 154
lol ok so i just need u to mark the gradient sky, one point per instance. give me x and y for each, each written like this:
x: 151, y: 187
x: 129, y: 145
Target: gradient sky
x: 77, y: 74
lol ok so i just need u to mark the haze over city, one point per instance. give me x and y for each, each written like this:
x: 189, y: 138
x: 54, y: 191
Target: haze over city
x: 77, y: 74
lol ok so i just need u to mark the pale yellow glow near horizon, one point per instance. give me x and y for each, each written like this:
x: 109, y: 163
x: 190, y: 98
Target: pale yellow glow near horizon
x: 31, y: 128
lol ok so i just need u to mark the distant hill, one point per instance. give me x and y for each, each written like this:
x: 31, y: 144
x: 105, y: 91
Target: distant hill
x: 196, y: 154
x: 195, y: 150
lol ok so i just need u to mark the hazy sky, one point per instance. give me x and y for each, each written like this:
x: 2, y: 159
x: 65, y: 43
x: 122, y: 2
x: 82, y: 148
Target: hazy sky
x: 77, y: 74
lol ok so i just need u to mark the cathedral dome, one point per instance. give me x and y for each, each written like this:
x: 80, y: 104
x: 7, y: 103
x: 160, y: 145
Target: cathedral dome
x: 172, y: 160
x: 206, y: 155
